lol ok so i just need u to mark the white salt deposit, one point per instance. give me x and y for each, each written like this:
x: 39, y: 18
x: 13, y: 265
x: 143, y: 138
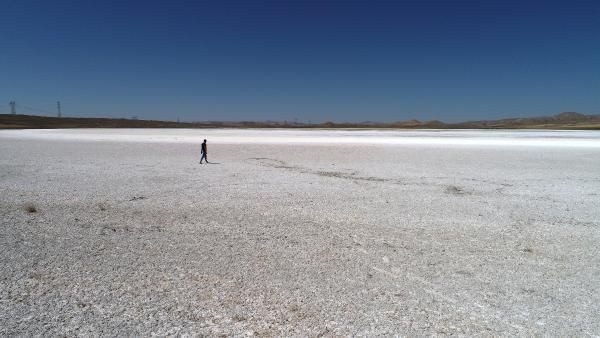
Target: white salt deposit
x: 538, y: 138
x: 362, y: 233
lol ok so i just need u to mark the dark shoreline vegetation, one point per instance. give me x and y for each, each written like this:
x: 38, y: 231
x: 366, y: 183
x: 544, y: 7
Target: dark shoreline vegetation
x: 566, y: 121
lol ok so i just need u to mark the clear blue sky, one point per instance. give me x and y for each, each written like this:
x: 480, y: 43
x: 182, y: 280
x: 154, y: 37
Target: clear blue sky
x: 310, y: 60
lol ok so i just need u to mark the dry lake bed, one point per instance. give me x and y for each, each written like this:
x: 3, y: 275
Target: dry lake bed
x: 299, y: 233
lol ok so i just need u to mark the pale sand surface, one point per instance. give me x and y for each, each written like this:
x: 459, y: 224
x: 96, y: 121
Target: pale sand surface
x: 298, y: 238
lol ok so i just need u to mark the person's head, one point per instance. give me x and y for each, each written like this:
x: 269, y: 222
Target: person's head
x: 204, y: 140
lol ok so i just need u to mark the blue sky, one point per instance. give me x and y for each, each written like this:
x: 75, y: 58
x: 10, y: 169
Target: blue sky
x: 305, y: 60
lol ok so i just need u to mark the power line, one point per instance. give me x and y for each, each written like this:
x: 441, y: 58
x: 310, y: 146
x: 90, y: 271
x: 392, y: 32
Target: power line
x: 58, y: 112
x: 35, y: 109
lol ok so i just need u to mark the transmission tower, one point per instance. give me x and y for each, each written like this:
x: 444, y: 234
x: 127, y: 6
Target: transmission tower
x: 58, y: 109
x: 13, y: 108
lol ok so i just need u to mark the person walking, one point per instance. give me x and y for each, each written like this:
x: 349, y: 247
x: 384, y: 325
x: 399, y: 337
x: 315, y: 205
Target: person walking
x: 203, y: 152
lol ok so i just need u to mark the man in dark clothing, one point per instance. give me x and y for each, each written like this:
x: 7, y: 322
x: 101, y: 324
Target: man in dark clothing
x: 203, y: 152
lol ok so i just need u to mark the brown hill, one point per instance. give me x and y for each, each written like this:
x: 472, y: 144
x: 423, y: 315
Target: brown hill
x: 566, y: 120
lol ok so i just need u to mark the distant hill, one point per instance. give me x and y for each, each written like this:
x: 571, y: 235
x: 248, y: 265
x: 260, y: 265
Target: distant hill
x: 566, y: 120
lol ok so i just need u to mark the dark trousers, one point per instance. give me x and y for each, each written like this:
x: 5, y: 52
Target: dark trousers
x: 203, y: 157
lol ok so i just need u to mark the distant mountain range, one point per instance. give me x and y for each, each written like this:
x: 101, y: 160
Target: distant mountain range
x: 567, y: 120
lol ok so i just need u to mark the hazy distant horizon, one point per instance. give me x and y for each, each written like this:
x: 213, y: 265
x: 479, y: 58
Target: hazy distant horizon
x: 289, y: 121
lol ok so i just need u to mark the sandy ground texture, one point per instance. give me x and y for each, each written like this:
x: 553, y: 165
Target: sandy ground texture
x: 136, y: 238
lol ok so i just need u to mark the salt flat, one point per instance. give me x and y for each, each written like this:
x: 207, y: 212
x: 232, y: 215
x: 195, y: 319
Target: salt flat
x: 296, y: 233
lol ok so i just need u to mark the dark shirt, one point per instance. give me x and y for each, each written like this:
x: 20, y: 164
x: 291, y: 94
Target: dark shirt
x: 204, y: 148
